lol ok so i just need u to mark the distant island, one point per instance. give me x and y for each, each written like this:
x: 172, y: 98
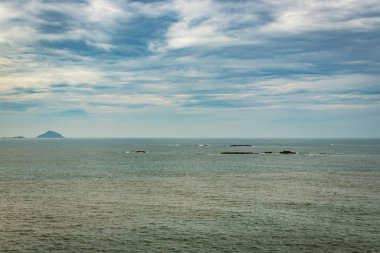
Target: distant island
x: 15, y: 137
x: 50, y: 134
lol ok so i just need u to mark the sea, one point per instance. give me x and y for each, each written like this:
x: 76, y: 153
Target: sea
x: 182, y: 195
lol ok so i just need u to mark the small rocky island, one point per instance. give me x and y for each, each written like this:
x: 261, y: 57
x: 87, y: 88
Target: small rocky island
x: 287, y: 152
x: 50, y: 134
x: 236, y: 153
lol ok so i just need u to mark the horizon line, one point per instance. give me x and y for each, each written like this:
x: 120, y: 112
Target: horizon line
x: 194, y: 137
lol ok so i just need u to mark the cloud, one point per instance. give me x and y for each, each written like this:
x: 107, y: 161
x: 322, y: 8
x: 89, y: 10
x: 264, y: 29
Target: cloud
x: 188, y: 57
x: 9, y: 106
x: 72, y: 113
x: 311, y: 16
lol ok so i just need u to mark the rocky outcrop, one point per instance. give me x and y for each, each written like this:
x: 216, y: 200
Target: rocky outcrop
x: 287, y: 152
x: 236, y: 153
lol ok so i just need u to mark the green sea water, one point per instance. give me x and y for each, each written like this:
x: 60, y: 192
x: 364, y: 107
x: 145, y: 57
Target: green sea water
x: 99, y: 195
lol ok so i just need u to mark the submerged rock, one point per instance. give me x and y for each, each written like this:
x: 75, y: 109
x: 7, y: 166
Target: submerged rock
x: 50, y: 134
x: 18, y: 137
x: 268, y: 152
x: 236, y: 153
x: 287, y: 152
x: 241, y: 145
x: 141, y: 151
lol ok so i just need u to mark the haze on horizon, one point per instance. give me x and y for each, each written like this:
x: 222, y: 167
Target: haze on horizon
x: 181, y: 68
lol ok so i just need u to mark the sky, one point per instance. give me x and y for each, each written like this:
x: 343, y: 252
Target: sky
x: 199, y: 68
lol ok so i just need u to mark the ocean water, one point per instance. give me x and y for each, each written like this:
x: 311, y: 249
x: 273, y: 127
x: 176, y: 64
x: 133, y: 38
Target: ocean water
x: 99, y: 195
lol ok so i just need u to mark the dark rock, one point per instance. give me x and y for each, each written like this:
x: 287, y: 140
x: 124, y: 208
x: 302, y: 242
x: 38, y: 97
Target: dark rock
x: 268, y: 152
x: 287, y: 152
x: 236, y: 153
x: 50, y: 134
x: 241, y: 145
x: 141, y: 151
x: 18, y: 137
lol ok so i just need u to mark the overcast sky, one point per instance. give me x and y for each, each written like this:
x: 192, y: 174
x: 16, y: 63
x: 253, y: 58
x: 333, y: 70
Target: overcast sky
x: 118, y: 68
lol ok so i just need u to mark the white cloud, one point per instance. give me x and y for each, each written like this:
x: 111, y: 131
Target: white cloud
x: 105, y: 12
x: 201, y: 23
x: 322, y: 15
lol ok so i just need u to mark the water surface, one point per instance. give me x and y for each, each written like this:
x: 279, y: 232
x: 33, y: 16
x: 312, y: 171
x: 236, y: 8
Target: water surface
x: 98, y: 195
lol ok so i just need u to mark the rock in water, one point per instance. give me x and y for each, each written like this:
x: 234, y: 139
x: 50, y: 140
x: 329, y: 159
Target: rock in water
x: 50, y: 134
x: 236, y: 153
x: 287, y: 152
